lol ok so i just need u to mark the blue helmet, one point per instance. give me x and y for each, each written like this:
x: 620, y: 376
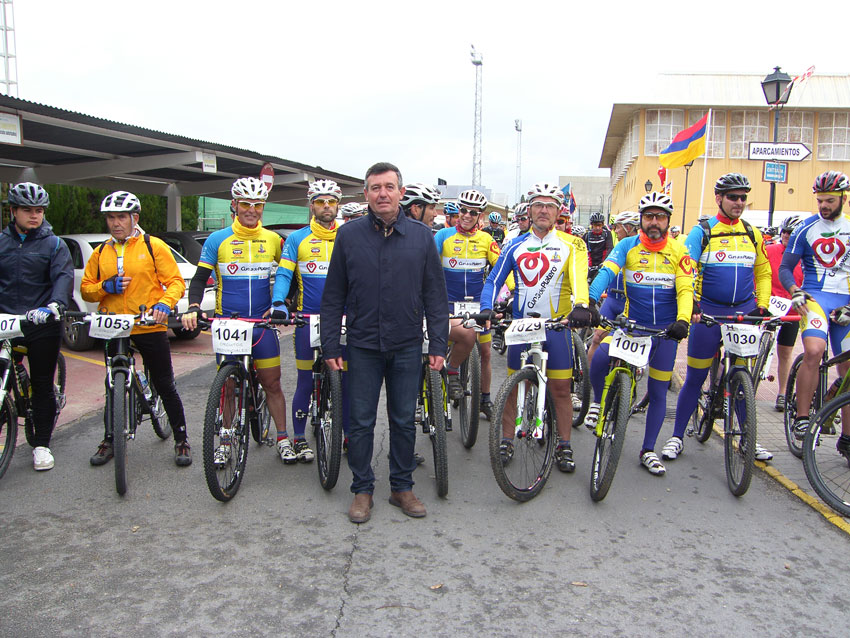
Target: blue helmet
x: 451, y: 208
x: 495, y: 217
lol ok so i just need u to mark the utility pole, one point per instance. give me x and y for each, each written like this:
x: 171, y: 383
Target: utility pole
x: 477, y: 62
x: 518, y: 127
x: 9, y: 81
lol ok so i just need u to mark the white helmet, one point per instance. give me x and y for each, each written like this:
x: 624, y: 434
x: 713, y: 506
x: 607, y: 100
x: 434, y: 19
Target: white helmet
x: 324, y: 187
x: 579, y: 230
x: 472, y: 199
x: 520, y: 208
x: 656, y: 200
x: 350, y: 209
x: 419, y: 193
x: 544, y: 189
x: 628, y: 218
x: 675, y: 229
x: 120, y: 202
x: 249, y: 188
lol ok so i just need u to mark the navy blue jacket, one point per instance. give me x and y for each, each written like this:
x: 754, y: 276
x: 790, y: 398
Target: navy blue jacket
x: 384, y: 283
x: 35, y: 271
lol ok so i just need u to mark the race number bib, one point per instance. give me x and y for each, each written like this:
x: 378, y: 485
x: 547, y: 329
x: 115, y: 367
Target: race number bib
x: 779, y: 307
x: 10, y: 327
x: 110, y: 326
x: 316, y: 334
x: 525, y: 331
x: 629, y: 348
x: 741, y: 339
x: 231, y: 336
x: 472, y: 307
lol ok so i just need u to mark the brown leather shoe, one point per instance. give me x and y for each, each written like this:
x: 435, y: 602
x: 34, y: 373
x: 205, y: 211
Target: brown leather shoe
x: 361, y: 508
x: 408, y: 503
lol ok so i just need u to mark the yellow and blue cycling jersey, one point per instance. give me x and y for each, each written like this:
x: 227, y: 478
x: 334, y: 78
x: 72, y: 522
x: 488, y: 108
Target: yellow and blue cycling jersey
x: 243, y: 260
x: 306, y: 255
x: 657, y: 279
x: 731, y: 270
x: 550, y: 274
x: 465, y: 258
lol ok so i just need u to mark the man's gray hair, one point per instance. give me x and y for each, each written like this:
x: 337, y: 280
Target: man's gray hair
x: 384, y: 167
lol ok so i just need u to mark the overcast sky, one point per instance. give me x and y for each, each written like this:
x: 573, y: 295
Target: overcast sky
x: 344, y: 84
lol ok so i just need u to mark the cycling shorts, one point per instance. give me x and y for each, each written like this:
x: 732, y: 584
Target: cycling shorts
x: 560, y: 362
x: 612, y: 307
x: 787, y: 335
x: 265, y: 349
x: 816, y: 323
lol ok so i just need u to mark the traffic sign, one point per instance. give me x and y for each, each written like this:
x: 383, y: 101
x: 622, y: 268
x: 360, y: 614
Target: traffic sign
x: 775, y: 172
x: 786, y: 151
x: 267, y: 175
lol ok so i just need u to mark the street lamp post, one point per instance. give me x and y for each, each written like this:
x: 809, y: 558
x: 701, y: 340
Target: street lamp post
x: 648, y: 185
x: 685, y: 202
x: 777, y: 90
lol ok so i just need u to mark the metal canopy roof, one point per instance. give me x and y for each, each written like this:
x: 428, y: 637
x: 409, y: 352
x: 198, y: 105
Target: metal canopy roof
x: 64, y: 147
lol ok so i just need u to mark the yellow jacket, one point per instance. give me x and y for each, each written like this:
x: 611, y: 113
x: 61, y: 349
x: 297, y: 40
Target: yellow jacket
x: 153, y: 281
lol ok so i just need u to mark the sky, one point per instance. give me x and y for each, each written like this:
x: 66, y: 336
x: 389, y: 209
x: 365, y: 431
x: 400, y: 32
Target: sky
x: 343, y: 85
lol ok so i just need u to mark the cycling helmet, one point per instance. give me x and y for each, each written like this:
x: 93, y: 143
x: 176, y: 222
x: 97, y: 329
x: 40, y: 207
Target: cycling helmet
x: 495, y: 217
x: 472, y: 199
x: 121, y: 202
x: 249, y: 188
x: 28, y: 194
x: 544, y: 189
x: 324, y: 187
x: 731, y: 182
x: 419, y: 193
x: 579, y: 230
x: 831, y: 181
x: 521, y: 208
x: 597, y: 218
x: 657, y: 200
x: 675, y: 229
x: 628, y: 218
x: 790, y: 223
x: 703, y: 218
x: 451, y: 208
x: 351, y: 208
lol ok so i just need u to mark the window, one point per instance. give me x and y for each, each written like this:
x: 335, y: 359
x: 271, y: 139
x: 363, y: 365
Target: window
x: 661, y: 126
x: 833, y: 136
x: 634, y: 147
x: 716, y: 146
x: 746, y: 127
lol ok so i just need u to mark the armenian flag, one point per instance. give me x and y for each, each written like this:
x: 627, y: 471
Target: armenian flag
x: 686, y: 146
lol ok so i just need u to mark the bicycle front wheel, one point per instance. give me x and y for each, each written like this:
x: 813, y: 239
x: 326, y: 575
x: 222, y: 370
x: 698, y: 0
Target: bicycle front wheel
x: 709, y: 404
x: 765, y: 346
x: 437, y: 430
x: 8, y: 433
x: 581, y: 380
x: 609, y: 444
x: 225, y: 432
x: 827, y: 468
x: 523, y: 472
x: 794, y: 446
x: 470, y: 405
x: 739, y: 437
x: 118, y: 417
x: 329, y: 432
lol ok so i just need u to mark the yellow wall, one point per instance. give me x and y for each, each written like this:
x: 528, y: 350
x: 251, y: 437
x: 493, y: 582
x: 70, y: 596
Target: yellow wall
x: 796, y: 195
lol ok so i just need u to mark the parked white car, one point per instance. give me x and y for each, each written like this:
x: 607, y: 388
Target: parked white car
x: 82, y: 247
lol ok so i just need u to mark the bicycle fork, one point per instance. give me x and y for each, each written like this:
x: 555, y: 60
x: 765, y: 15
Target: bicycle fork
x: 540, y: 405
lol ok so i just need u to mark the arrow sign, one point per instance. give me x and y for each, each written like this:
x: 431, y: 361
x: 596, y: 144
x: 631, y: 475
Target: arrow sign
x: 787, y: 152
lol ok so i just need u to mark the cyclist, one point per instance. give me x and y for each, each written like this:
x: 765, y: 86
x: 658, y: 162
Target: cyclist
x: 451, y: 212
x: 420, y: 202
x: 522, y: 222
x: 733, y: 276
x: 821, y: 242
x: 626, y: 224
x: 36, y: 278
x: 549, y: 268
x: 564, y: 223
x: 599, y: 242
x: 676, y: 233
x: 306, y: 255
x: 657, y: 277
x: 243, y: 257
x: 465, y: 252
x: 787, y: 335
x: 494, y: 229
x: 351, y: 211
x: 128, y: 270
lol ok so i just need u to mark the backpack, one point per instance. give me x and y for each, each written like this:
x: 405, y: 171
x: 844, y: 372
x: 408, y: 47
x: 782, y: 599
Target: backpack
x: 706, y: 233
x: 147, y: 239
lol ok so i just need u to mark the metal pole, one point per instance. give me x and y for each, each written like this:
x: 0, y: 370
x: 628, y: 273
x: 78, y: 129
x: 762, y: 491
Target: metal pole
x: 518, y: 127
x: 477, y: 62
x: 773, y: 184
x: 685, y: 202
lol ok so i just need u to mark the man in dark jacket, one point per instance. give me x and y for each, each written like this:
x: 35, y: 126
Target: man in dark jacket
x: 36, y: 278
x: 385, y: 274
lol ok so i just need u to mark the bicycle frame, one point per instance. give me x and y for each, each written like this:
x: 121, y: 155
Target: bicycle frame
x: 539, y: 359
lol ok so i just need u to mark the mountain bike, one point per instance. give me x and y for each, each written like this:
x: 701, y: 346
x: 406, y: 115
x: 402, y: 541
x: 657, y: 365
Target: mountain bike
x: 434, y: 415
x: 129, y: 394
x: 468, y: 407
x: 16, y: 391
x: 628, y: 355
x: 235, y: 404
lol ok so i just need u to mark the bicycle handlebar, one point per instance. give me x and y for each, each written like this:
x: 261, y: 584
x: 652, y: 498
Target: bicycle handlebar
x: 630, y: 326
x: 769, y: 322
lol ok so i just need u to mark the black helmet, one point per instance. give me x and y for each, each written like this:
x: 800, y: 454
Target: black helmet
x: 831, y: 181
x: 731, y: 182
x: 790, y: 223
x: 597, y: 218
x: 28, y: 194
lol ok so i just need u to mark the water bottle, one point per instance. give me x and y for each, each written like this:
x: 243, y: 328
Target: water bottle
x: 146, y: 388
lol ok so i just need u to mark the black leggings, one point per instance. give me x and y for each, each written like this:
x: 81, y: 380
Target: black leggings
x: 42, y: 353
x: 788, y: 333
x: 156, y: 355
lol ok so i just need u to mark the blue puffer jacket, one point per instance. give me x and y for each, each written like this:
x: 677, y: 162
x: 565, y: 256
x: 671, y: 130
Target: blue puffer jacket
x: 35, y: 271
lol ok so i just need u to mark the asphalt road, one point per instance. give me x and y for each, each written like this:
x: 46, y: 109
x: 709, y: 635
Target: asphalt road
x: 677, y: 555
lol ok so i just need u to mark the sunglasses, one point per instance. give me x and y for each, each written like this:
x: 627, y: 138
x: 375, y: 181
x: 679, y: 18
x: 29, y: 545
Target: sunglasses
x: 736, y: 198
x: 321, y: 203
x: 524, y: 218
x: 257, y: 206
x: 473, y: 213
x: 656, y: 216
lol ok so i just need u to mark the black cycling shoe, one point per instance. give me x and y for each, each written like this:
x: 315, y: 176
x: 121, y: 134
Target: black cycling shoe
x: 843, y: 446
x: 506, y: 451
x: 103, y: 454
x: 182, y: 454
x: 487, y: 409
x: 801, y: 426
x: 418, y: 458
x: 564, y: 459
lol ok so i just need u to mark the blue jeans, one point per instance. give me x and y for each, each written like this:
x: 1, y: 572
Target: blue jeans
x: 367, y: 371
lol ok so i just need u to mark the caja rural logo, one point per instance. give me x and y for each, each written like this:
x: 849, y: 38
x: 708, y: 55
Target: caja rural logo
x: 828, y: 249
x: 531, y: 267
